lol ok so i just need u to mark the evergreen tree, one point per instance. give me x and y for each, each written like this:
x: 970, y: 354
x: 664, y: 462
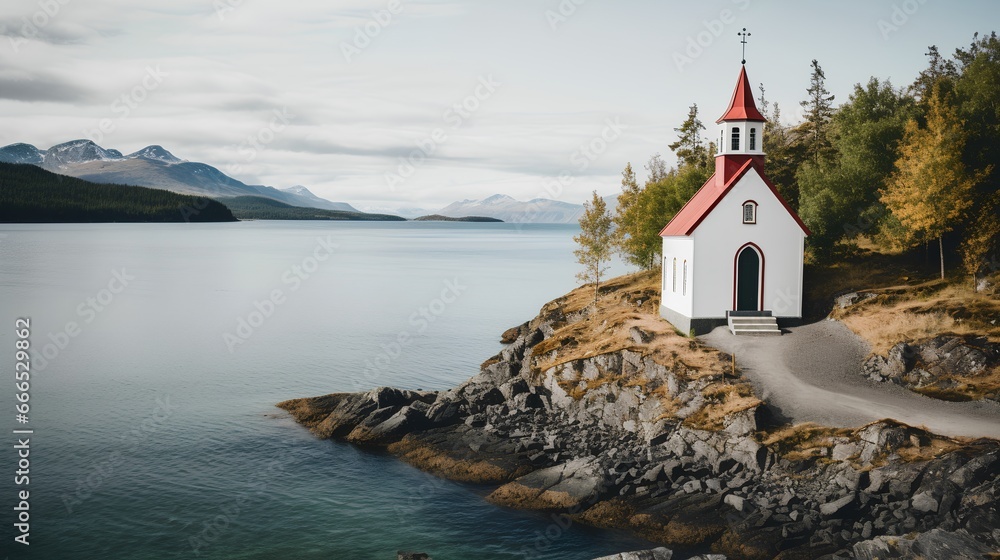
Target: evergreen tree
x: 690, y: 148
x: 931, y: 189
x: 839, y: 195
x: 595, y: 241
x: 818, y: 110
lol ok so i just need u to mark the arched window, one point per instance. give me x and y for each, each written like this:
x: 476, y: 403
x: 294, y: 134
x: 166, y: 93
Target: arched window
x: 736, y: 138
x: 673, y: 277
x: 753, y: 138
x: 722, y: 140
x: 664, y: 269
x: 684, y: 284
x: 749, y: 212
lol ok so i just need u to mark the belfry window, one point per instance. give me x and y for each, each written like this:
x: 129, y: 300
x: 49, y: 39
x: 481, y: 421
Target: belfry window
x: 753, y: 139
x: 736, y: 138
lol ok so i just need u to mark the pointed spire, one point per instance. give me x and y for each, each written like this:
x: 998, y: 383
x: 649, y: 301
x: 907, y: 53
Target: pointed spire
x: 742, y: 106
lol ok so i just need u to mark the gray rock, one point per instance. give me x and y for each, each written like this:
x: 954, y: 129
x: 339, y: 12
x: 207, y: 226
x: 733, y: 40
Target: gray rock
x: 830, y: 509
x: 654, y: 554
x: 935, y: 543
x: 924, y: 502
x: 734, y: 501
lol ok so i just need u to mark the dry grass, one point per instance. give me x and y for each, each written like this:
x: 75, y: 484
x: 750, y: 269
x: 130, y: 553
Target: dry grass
x: 633, y: 301
x: 921, y: 311
x: 722, y: 400
x: 965, y: 387
x: 607, y: 329
x: 803, y: 441
x: 929, y: 447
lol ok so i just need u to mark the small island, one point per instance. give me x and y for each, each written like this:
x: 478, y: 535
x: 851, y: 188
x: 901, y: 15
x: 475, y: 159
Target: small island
x: 440, y: 218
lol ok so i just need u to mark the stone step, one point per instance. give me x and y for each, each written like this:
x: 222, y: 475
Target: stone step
x: 754, y: 325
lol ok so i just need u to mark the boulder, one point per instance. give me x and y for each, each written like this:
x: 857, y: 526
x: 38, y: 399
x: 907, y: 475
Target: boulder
x: 572, y: 484
x: 654, y: 554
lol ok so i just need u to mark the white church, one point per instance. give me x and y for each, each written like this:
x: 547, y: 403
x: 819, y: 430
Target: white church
x: 734, y: 253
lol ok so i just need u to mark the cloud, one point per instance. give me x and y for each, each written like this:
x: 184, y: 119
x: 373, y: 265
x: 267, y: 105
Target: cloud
x: 20, y: 86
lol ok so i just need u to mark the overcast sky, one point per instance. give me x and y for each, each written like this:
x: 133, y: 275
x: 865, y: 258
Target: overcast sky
x: 332, y: 94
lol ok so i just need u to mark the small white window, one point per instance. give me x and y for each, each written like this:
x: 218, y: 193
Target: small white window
x: 685, y: 281
x: 673, y: 277
x: 736, y: 138
x: 749, y: 212
x: 664, y: 269
x: 753, y: 138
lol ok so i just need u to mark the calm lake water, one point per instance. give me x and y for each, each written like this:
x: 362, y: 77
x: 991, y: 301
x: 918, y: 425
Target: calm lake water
x: 160, y: 351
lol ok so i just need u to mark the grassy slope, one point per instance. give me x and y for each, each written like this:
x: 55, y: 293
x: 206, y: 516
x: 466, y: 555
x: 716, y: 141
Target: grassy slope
x: 910, y: 304
x: 633, y: 301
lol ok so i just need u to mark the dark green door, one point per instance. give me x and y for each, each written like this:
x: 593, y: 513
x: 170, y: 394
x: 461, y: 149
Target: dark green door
x: 747, y: 280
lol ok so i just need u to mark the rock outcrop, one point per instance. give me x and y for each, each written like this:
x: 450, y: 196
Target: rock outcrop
x: 940, y: 366
x: 649, y: 432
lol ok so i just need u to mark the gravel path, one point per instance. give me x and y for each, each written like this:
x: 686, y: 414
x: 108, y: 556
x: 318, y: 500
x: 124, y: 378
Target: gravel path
x: 812, y: 374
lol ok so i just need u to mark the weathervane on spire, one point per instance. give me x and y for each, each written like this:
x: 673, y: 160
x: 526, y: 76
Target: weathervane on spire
x: 744, y: 35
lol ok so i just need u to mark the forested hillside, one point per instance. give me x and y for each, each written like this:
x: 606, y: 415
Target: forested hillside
x: 890, y: 167
x: 29, y: 194
x: 260, y: 208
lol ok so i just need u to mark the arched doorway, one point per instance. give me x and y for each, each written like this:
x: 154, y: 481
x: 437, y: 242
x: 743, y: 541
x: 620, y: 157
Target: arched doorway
x: 749, y: 278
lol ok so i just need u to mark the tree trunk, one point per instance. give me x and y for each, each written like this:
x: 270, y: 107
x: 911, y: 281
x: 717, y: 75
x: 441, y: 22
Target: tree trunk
x: 941, y: 251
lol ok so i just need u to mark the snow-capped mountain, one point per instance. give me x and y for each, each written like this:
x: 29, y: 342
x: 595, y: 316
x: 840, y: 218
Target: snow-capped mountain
x: 156, y: 153
x: 21, y: 153
x: 76, y: 152
x: 153, y: 166
x: 508, y: 209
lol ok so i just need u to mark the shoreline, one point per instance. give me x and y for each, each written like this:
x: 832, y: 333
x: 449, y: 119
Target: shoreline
x: 631, y: 436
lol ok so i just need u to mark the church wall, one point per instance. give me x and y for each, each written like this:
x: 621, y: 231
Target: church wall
x: 681, y: 248
x: 718, y: 238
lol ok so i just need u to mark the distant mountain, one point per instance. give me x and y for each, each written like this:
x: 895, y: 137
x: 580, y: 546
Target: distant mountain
x: 154, y: 166
x: 318, y: 202
x: 259, y: 208
x: 536, y: 211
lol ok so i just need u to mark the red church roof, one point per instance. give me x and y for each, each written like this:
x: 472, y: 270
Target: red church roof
x: 741, y: 106
x: 709, y: 196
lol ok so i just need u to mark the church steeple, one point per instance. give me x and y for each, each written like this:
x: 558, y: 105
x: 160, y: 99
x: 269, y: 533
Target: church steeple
x: 741, y: 131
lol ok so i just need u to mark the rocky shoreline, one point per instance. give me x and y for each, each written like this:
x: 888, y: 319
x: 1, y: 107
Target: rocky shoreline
x: 640, y: 429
